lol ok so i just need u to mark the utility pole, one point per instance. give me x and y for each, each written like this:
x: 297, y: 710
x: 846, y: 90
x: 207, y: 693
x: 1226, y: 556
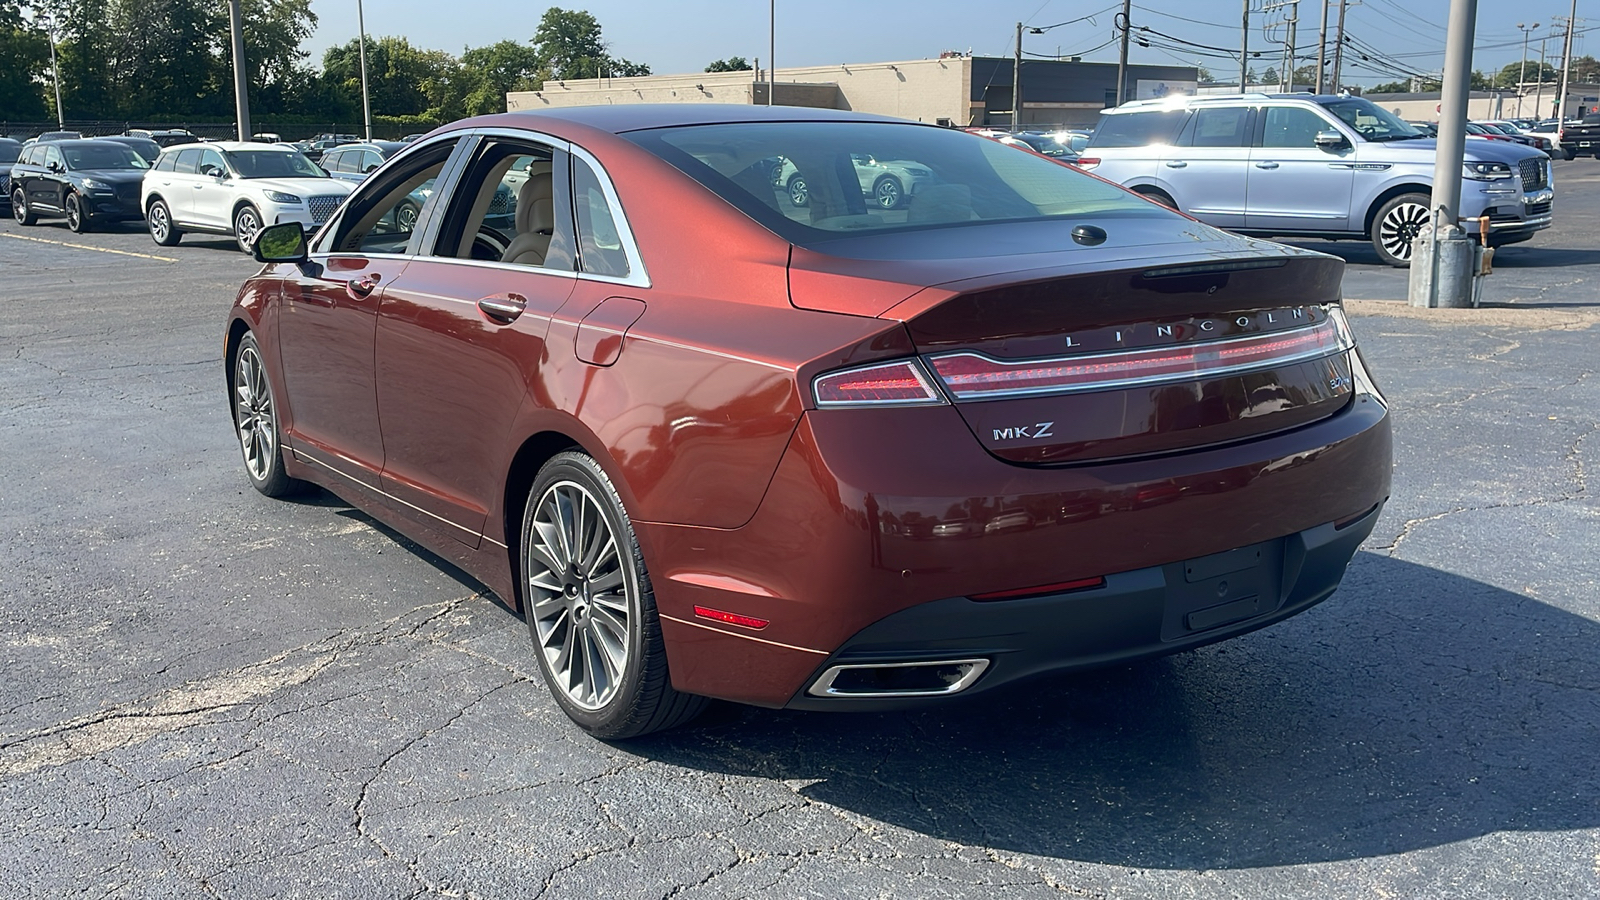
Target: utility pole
x: 366, y: 104
x: 1016, y: 85
x: 1122, y: 58
x: 1338, y: 49
x: 1566, y: 67
x: 1522, y: 73
x: 1441, y: 259
x: 241, y: 83
x: 772, y: 49
x: 1244, y: 49
x: 1538, y: 93
x: 1322, y: 45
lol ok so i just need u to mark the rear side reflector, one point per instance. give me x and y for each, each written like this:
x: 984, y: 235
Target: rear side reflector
x: 886, y: 384
x: 717, y: 615
x: 973, y: 376
x: 1082, y: 584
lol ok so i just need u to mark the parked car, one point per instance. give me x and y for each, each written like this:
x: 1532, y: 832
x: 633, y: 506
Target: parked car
x: 1431, y: 129
x: 84, y: 181
x: 839, y: 456
x: 1581, y: 138
x: 9, y: 151
x: 353, y: 162
x: 143, y: 146
x: 166, y: 137
x: 1329, y: 167
x: 887, y: 182
x: 1042, y: 144
x: 59, y: 136
x: 1536, y: 141
x: 233, y: 187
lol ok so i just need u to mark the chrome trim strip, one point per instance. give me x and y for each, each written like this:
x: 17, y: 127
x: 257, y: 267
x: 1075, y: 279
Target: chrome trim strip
x: 1343, y: 346
x: 823, y: 686
x: 748, y: 637
x: 309, y: 458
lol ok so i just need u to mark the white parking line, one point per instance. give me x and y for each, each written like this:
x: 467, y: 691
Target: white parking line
x: 23, y: 237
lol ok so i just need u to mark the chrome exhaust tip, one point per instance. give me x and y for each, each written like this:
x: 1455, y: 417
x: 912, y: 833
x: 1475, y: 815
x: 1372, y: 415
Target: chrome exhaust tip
x: 930, y: 678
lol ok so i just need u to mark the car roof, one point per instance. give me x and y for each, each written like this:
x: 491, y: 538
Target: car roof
x: 381, y: 146
x: 225, y: 145
x: 1185, y: 101
x: 643, y: 116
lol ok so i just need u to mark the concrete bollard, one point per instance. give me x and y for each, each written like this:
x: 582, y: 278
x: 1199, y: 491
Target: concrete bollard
x: 1441, y: 272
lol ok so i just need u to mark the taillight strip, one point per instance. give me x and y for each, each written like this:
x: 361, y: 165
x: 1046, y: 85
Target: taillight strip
x: 974, y: 376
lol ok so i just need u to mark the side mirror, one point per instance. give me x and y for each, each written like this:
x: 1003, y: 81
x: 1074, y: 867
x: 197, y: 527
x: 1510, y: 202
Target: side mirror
x: 1331, y: 140
x: 285, y: 242
x: 55, y: 167
x: 371, y: 167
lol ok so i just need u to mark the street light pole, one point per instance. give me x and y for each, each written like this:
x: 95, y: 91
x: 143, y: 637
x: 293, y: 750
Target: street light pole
x: 1338, y: 49
x: 241, y: 81
x: 55, y: 70
x: 1244, y: 49
x: 366, y: 105
x: 1566, y: 67
x: 772, y: 49
x: 1122, y: 58
x: 1522, y: 73
x: 1538, y: 92
x: 1016, y: 85
x: 1322, y: 45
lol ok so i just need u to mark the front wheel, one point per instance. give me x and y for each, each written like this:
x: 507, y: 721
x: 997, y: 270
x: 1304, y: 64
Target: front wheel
x: 590, y: 608
x: 162, y: 231
x: 77, y: 219
x: 20, y: 210
x: 799, y: 194
x: 887, y: 192
x: 255, y: 421
x: 1396, y: 227
x: 246, y: 225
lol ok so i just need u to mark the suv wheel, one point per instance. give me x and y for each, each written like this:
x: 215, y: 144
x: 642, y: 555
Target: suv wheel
x: 77, y: 219
x: 162, y: 231
x: 1397, y: 225
x: 246, y: 225
x: 20, y: 210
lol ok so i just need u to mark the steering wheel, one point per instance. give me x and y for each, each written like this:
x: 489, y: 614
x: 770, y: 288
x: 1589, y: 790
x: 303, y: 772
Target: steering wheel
x: 490, y: 244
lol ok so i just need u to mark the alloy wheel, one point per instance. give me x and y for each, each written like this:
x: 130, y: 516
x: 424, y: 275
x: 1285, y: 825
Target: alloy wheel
x: 406, y: 218
x: 257, y: 421
x: 74, y: 213
x: 887, y: 192
x: 1400, y: 227
x: 159, y: 225
x: 246, y: 225
x: 582, y: 603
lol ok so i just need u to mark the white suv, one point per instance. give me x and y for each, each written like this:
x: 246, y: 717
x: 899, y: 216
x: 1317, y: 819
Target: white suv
x: 235, y: 188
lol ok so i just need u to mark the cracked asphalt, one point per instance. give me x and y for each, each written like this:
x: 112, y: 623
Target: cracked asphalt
x: 207, y: 693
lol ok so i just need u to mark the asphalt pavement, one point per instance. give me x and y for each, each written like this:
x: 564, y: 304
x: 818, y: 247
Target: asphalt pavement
x: 207, y: 693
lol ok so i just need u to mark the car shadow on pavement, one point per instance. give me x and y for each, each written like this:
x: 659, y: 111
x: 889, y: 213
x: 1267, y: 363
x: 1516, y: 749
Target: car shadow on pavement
x: 1414, y: 709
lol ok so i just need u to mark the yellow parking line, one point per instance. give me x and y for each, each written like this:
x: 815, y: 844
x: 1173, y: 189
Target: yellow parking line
x: 23, y: 237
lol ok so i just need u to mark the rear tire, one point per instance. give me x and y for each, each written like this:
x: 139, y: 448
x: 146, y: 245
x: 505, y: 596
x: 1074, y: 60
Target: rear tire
x: 1159, y: 197
x: 20, y: 210
x: 1395, y: 227
x: 162, y: 229
x: 590, y: 609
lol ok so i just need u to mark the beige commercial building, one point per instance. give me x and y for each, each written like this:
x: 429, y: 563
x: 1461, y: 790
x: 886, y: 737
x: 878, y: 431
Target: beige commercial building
x: 1582, y: 99
x: 954, y: 90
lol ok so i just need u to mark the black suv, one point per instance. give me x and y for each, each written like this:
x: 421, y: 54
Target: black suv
x: 84, y: 181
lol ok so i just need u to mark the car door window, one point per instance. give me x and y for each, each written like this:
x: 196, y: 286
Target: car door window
x: 166, y: 162
x: 382, y: 215
x: 1226, y: 126
x: 330, y: 162
x: 513, y: 206
x: 52, y: 158
x: 211, y: 163
x: 188, y: 162
x: 1293, y: 127
x: 600, y: 249
x: 370, y: 161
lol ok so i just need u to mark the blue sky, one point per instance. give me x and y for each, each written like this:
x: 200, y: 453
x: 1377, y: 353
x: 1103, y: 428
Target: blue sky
x: 684, y: 35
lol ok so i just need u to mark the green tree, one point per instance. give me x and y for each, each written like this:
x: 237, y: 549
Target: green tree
x: 24, y: 65
x: 731, y: 64
x: 398, y: 76
x: 1508, y: 75
x: 1271, y: 76
x: 569, y: 45
x: 489, y: 73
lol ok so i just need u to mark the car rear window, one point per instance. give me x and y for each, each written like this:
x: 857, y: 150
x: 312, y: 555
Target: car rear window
x: 1138, y: 129
x: 816, y: 181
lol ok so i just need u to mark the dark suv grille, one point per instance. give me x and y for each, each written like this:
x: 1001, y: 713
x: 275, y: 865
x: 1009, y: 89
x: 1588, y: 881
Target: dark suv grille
x: 5, y: 187
x: 1532, y: 175
x: 322, y: 208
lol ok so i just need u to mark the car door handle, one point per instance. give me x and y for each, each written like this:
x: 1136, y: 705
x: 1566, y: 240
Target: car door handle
x: 1176, y: 164
x: 503, y: 308
x: 359, y: 288
x: 1266, y: 165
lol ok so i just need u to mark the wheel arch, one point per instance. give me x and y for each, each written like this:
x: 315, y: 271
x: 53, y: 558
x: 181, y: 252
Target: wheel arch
x: 1389, y: 194
x: 151, y: 201
x: 237, y: 329
x: 530, y: 457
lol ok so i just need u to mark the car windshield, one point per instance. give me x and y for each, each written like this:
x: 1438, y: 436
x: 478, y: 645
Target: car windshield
x: 9, y: 152
x: 1370, y: 121
x: 815, y: 181
x: 103, y: 156
x: 272, y: 164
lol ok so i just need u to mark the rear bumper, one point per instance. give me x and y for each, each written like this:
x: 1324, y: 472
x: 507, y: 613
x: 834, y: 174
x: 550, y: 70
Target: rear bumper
x: 877, y: 514
x: 1147, y: 612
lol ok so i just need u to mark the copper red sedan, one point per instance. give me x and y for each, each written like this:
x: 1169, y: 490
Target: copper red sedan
x: 838, y: 455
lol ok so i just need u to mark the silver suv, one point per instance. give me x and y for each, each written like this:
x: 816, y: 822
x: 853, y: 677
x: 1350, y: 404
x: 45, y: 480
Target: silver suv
x: 1311, y: 166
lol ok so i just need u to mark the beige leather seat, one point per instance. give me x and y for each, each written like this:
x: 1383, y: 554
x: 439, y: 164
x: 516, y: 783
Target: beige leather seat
x: 535, y: 221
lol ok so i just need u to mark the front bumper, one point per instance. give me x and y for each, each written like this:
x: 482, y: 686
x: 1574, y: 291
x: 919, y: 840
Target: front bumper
x: 1143, y: 613
x: 110, y: 206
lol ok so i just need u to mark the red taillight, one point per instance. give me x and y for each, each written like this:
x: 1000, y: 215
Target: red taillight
x: 897, y: 383
x: 718, y: 615
x: 970, y: 376
x: 1086, y: 162
x: 1082, y: 584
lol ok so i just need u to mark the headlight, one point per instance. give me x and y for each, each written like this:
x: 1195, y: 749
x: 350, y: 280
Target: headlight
x: 1485, y: 171
x: 95, y: 185
x: 281, y: 197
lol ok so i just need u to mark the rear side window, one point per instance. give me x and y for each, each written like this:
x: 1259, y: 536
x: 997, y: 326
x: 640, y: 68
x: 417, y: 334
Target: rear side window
x: 188, y: 161
x: 1139, y: 129
x: 1224, y: 126
x: 599, y: 240
x: 166, y: 162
